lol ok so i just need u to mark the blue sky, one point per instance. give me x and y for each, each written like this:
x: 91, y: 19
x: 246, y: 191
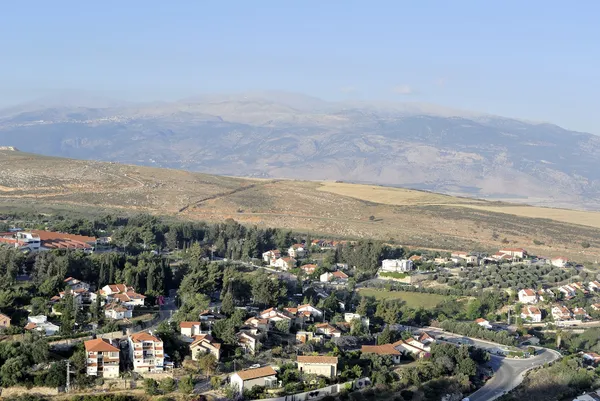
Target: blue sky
x: 529, y: 59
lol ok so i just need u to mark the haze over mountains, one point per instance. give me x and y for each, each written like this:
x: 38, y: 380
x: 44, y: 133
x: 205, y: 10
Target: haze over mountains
x: 283, y: 135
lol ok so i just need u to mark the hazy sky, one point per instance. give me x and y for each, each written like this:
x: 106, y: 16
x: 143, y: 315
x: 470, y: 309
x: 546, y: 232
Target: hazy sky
x: 531, y: 59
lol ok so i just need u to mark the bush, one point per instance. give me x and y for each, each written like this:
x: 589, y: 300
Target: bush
x: 167, y: 385
x: 151, y: 387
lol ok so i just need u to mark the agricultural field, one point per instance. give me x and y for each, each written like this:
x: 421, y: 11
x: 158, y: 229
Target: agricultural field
x: 412, y: 299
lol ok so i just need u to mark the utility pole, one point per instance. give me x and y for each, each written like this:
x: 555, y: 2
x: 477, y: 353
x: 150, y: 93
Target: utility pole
x: 68, y: 386
x: 509, y: 316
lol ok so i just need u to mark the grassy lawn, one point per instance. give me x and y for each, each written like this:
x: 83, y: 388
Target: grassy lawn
x: 412, y: 299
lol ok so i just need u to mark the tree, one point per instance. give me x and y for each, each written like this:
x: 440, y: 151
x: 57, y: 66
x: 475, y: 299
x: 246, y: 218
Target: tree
x: 186, y: 385
x: 207, y: 363
x: 385, y: 337
x: 357, y: 328
x: 151, y: 387
x: 13, y: 371
x: 167, y: 385
x: 283, y: 326
x: 228, y: 305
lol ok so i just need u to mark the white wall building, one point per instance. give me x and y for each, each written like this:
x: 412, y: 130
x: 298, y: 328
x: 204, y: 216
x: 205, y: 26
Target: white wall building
x: 246, y: 379
x: 147, y: 352
x: 102, y: 358
x: 396, y: 265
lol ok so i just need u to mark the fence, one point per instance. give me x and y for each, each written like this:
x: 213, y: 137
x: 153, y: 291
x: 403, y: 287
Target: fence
x: 319, y: 393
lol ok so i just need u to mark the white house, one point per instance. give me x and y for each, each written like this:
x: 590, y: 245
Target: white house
x: 122, y: 293
x: 297, y: 251
x: 594, y: 286
x: 396, y: 265
x: 319, y: 365
x: 385, y: 349
x: 285, y: 263
x: 314, y: 312
x: 40, y: 323
x: 531, y: 313
x: 328, y: 330
x: 568, y: 290
x: 527, y: 296
x: 349, y: 317
x: 190, y: 329
x: 483, y: 323
x: 561, y: 313
x: 337, y: 276
x: 271, y: 256
x: 559, y: 261
x: 117, y: 311
x: 205, y: 344
x: 518, y: 253
x: 248, y: 341
x: 246, y: 379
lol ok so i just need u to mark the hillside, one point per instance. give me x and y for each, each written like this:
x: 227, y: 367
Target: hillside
x: 279, y: 135
x: 408, y: 217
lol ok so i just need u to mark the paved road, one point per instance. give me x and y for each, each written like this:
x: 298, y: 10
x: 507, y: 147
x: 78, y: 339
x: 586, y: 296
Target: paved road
x: 509, y: 373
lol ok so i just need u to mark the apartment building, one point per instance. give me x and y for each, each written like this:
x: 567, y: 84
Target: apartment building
x: 102, y: 358
x: 147, y: 352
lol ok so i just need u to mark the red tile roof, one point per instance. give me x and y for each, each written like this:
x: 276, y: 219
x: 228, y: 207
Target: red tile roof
x: 99, y: 345
x: 386, y: 349
x: 257, y: 373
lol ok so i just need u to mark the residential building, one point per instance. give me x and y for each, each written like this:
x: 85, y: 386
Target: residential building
x: 147, y: 352
x: 328, y: 330
x: 273, y: 315
x: 314, y: 312
x: 483, y: 323
x: 285, y: 263
x: 426, y: 339
x: 591, y: 357
x: 122, y: 293
x: 337, y: 276
x: 41, y: 240
x: 190, y: 329
x: 4, y: 321
x: 568, y: 290
x: 349, y: 317
x: 518, y: 253
x: 412, y: 347
x: 594, y: 286
x: 309, y: 268
x: 579, y: 314
x: 596, y: 307
x: 75, y: 284
x: 561, y: 313
x: 116, y: 311
x: 40, y: 323
x: 258, y: 323
x: 248, y: 341
x: 318, y: 365
x: 396, y: 265
x: 386, y: 349
x: 203, y: 344
x: 527, y: 296
x: 297, y: 251
x: 304, y: 337
x: 531, y: 313
x: 102, y: 358
x: 559, y: 261
x: 271, y: 256
x: 246, y: 379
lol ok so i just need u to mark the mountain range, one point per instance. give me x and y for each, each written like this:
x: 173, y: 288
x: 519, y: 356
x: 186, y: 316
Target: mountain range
x: 285, y: 135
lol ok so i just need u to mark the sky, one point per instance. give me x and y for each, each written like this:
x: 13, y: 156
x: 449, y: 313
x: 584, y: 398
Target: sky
x: 537, y: 60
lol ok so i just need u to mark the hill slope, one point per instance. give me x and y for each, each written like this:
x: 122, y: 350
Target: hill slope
x: 404, y: 216
x: 273, y: 135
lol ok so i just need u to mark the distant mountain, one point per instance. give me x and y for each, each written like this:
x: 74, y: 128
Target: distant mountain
x: 275, y: 134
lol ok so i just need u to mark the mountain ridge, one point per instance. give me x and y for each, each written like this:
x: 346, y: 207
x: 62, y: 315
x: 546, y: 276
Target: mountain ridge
x: 300, y: 137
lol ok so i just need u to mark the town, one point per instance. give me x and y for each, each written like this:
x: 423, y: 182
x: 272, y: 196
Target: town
x: 233, y: 312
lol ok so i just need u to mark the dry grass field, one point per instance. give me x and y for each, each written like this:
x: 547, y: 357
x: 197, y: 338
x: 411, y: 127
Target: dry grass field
x: 406, y: 217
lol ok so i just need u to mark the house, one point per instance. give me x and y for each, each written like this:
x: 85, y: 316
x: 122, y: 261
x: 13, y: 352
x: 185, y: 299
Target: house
x: 203, y: 344
x: 594, y: 286
x: 517, y: 253
x: 337, y: 277
x: 208, y: 316
x: 314, y: 312
x: 459, y: 255
x: 579, y: 313
x: 147, y: 353
x: 349, y: 317
x: 531, y: 313
x: 559, y: 261
x: 41, y: 240
x: 117, y: 311
x: 75, y: 284
x: 271, y: 256
x: 40, y: 323
x: 102, y: 358
x: 527, y: 296
x: 416, y: 258
x: 246, y: 379
x: 417, y: 344
x: 122, y: 293
x: 258, y: 323
x: 412, y: 347
x: 285, y: 263
x: 318, y: 365
x: 248, y: 341
x: 386, y: 349
x: 328, y: 330
x: 596, y: 307
x: 396, y: 265
x: 190, y: 329
x: 297, y: 251
x: 309, y: 268
x: 304, y: 337
x: 4, y: 321
x: 483, y: 323
x: 561, y: 313
x: 298, y: 318
x: 568, y: 290
x: 273, y: 315
x: 591, y: 357
x: 426, y: 339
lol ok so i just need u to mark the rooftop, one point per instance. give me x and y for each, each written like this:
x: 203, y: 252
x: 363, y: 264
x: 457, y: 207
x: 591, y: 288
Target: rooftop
x: 250, y: 374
